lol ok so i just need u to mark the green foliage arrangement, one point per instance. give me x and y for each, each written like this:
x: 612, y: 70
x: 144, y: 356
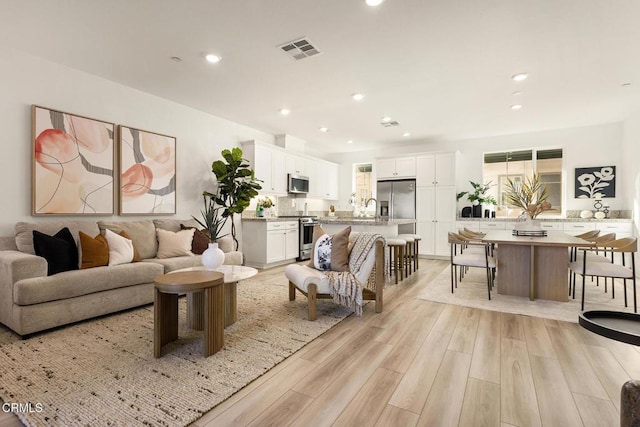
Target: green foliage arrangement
x: 237, y: 185
x: 212, y: 219
x: 479, y: 194
x: 531, y: 195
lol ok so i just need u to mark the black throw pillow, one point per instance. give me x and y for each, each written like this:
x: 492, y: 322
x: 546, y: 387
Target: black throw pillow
x: 59, y: 250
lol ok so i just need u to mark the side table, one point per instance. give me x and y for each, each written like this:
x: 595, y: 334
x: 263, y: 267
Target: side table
x: 165, y: 308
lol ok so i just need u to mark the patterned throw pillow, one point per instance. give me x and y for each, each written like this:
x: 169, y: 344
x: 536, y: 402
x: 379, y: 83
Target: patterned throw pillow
x: 330, y: 252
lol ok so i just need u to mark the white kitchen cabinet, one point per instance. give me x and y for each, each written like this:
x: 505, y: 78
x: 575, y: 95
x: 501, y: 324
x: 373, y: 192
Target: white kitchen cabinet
x: 622, y: 229
x: 435, y: 169
x: 435, y: 215
x: 269, y: 243
x: 402, y: 167
x: 577, y: 227
x: 296, y: 165
x: 269, y: 165
x: 323, y: 180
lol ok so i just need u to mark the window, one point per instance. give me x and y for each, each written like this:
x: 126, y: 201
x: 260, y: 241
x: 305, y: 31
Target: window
x: 362, y: 185
x: 518, y: 165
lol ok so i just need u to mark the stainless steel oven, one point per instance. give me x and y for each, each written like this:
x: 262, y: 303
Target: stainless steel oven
x: 306, y: 236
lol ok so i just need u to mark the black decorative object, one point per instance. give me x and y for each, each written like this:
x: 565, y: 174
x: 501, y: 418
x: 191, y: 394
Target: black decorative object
x: 466, y: 212
x: 477, y: 211
x: 595, y: 182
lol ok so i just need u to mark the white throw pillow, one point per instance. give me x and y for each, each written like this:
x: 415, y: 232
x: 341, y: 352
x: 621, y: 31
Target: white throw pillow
x: 172, y: 244
x: 120, y: 248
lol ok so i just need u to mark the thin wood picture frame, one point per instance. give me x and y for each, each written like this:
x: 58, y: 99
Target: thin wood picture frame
x: 72, y: 167
x: 147, y: 172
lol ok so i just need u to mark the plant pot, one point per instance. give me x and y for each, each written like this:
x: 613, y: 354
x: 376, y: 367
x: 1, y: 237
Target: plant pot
x: 212, y: 257
x: 477, y: 211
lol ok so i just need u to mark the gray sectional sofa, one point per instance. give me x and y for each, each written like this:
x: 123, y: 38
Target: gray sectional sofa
x: 31, y: 301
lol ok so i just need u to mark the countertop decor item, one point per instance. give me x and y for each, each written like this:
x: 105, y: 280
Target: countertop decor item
x: 586, y: 214
x: 530, y: 195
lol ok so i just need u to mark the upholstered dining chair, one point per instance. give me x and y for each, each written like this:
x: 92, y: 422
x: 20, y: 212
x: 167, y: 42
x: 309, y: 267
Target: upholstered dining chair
x: 461, y: 257
x: 597, y: 254
x: 626, y: 248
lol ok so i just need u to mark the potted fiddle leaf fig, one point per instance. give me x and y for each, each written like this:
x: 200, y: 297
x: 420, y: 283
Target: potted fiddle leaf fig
x: 237, y: 185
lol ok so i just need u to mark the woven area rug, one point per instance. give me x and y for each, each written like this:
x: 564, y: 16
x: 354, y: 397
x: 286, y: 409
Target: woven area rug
x: 102, y: 371
x: 472, y: 292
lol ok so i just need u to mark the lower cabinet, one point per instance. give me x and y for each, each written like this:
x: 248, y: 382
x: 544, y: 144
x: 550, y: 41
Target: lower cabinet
x: 269, y: 243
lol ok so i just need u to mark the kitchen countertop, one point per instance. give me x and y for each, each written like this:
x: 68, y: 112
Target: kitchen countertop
x: 270, y: 219
x: 546, y: 219
x: 364, y: 221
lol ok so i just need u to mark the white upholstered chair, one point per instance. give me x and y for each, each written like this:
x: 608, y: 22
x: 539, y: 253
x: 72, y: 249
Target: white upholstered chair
x: 315, y: 285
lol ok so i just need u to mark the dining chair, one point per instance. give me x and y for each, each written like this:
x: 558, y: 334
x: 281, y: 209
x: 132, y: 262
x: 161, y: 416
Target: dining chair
x: 460, y: 257
x: 597, y: 254
x: 585, y: 267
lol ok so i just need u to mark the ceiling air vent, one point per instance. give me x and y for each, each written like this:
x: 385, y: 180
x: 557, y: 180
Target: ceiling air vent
x: 300, y: 49
x: 390, y: 124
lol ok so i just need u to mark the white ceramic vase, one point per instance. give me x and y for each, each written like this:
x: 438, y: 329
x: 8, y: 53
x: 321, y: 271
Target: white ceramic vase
x: 212, y: 257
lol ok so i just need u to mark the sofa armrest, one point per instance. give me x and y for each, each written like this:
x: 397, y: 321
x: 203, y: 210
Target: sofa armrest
x: 233, y: 258
x: 16, y: 266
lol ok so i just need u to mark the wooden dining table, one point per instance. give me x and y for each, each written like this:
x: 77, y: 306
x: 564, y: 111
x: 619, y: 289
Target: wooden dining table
x: 534, y: 267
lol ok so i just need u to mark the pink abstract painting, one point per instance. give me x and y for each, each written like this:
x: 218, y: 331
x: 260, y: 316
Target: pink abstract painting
x: 72, y: 167
x: 147, y: 173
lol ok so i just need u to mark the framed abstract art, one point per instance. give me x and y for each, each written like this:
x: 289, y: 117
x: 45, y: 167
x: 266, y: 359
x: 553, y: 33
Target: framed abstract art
x: 72, y: 164
x: 595, y: 182
x: 147, y: 172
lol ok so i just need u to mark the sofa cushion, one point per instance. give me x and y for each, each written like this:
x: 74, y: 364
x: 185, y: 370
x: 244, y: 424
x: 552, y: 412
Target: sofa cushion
x: 172, y: 244
x: 142, y: 233
x: 333, y: 250
x: 200, y: 241
x: 71, y: 284
x: 176, y: 263
x: 24, y: 231
x: 120, y: 248
x: 174, y: 224
x: 95, y: 250
x: 59, y: 250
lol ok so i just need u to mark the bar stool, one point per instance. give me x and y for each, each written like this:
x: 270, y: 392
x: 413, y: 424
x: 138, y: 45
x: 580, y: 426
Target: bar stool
x: 409, y: 253
x: 396, y: 256
x: 416, y: 248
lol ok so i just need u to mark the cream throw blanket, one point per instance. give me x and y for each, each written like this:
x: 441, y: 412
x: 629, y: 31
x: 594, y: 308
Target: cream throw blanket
x: 344, y: 287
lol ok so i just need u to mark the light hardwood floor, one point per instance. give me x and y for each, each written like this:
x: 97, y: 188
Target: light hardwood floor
x: 431, y: 364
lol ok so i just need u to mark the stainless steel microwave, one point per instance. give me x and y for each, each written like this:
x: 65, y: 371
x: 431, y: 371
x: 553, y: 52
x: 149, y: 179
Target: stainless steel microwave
x: 297, y: 184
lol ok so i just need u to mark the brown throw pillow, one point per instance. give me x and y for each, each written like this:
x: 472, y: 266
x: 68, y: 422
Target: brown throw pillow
x: 200, y: 241
x: 95, y: 250
x: 335, y: 250
x: 136, y: 255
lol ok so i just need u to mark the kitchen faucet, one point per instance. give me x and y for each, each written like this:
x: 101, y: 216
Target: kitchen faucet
x: 366, y: 204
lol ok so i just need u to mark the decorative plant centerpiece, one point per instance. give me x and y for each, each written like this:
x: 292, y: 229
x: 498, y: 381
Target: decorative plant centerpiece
x: 531, y: 196
x: 213, y: 222
x: 478, y: 197
x: 264, y: 207
x: 237, y: 185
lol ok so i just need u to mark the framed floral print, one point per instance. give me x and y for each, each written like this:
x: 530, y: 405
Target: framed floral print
x: 147, y: 173
x: 595, y: 182
x: 72, y: 164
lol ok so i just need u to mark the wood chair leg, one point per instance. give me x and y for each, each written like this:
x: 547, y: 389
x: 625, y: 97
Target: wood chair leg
x: 417, y: 255
x: 379, y: 276
x: 312, y: 301
x: 292, y: 292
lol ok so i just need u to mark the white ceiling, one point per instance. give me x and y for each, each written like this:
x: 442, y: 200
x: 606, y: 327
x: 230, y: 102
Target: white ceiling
x: 441, y: 68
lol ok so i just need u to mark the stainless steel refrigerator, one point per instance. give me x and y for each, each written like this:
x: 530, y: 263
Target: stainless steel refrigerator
x: 397, y: 200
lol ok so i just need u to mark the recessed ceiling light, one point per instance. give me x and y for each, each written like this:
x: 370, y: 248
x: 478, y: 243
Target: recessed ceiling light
x: 517, y: 92
x: 626, y: 84
x: 350, y: 141
x: 324, y: 129
x: 406, y: 134
x: 374, y: 3
x: 213, y: 58
x: 285, y: 111
x: 176, y: 59
x: 357, y: 96
x: 386, y: 119
x: 519, y: 77
x: 516, y: 106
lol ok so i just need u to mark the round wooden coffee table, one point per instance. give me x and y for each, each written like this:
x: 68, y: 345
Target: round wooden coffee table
x: 209, y: 284
x: 232, y: 275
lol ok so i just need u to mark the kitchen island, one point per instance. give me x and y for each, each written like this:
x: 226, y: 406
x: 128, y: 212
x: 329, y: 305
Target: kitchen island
x: 386, y: 227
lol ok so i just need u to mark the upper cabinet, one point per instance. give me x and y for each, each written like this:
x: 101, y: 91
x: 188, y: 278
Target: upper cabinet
x: 272, y: 164
x: 435, y: 169
x: 402, y: 167
x: 269, y: 166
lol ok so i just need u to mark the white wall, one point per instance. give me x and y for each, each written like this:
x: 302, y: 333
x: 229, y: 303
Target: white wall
x: 583, y: 147
x: 631, y: 163
x: 27, y: 80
